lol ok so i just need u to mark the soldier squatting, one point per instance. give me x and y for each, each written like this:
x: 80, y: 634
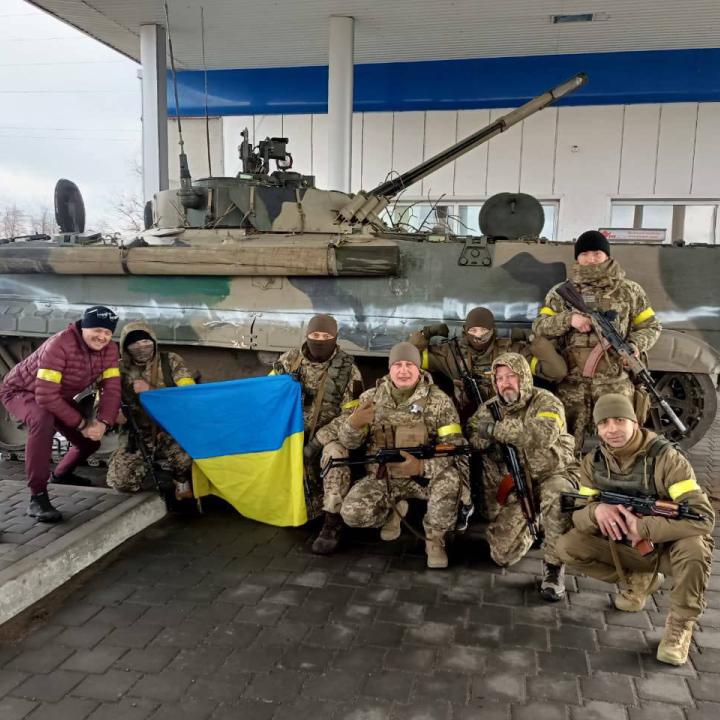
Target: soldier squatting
x: 406, y: 409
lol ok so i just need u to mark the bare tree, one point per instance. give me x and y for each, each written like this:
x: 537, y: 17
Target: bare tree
x: 129, y: 208
x: 12, y: 221
x: 42, y: 221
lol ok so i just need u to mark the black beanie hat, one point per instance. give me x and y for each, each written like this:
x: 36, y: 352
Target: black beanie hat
x: 592, y: 240
x: 134, y: 336
x: 98, y: 316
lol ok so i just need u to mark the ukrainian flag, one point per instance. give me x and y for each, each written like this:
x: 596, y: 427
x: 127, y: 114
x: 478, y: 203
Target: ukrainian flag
x: 246, y: 438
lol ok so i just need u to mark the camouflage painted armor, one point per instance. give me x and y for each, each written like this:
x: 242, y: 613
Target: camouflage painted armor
x: 535, y: 425
x: 684, y: 547
x: 126, y: 470
x: 603, y: 287
x: 427, y: 415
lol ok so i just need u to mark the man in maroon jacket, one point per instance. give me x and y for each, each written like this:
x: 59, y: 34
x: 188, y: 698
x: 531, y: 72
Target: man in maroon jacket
x: 39, y: 391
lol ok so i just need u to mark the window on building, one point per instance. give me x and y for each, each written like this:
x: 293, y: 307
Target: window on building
x: 458, y: 218
x: 691, y: 222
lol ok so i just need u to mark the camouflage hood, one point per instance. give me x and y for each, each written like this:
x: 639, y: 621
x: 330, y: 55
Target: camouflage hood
x: 518, y: 364
x: 125, y: 358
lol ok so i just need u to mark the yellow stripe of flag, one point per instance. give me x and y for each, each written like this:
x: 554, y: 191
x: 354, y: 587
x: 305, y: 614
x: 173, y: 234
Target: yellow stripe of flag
x: 235, y: 479
x: 184, y: 381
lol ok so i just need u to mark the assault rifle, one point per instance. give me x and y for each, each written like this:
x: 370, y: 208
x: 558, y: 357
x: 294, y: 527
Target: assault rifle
x: 644, y: 505
x: 515, y: 480
x: 611, y: 338
x: 384, y: 456
x: 154, y: 477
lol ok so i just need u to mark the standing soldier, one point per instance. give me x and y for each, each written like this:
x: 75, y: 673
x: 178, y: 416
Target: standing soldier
x: 405, y: 409
x: 479, y: 346
x: 533, y: 421
x: 602, y: 543
x: 39, y: 391
x: 603, y: 286
x: 331, y: 383
x: 143, y: 367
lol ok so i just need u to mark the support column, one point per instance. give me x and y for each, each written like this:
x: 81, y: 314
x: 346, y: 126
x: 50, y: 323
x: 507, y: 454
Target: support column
x: 154, y: 109
x: 340, y: 102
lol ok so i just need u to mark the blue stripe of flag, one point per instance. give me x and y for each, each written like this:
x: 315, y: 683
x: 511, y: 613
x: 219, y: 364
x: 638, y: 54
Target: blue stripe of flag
x: 228, y: 418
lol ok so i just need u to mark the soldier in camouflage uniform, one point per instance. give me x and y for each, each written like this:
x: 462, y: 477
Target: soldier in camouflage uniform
x: 603, y: 285
x: 479, y: 346
x: 331, y: 384
x: 143, y: 367
x: 603, y: 542
x: 533, y: 420
x: 406, y: 409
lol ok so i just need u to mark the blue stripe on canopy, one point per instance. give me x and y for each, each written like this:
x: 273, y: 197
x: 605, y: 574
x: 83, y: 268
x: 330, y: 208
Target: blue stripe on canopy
x: 228, y: 418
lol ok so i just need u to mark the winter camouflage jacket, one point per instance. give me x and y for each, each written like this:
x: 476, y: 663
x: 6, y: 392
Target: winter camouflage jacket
x: 428, y: 406
x: 154, y: 375
x: 535, y: 425
x: 673, y: 479
x: 603, y: 287
x: 62, y: 367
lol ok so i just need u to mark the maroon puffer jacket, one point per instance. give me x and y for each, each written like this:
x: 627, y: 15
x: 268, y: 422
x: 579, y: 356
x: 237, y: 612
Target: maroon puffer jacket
x: 62, y: 367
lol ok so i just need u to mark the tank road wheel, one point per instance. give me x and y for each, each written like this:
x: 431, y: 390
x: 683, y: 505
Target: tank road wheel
x: 693, y: 397
x: 12, y: 351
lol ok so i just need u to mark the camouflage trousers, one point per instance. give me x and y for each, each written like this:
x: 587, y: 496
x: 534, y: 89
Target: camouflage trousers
x: 371, y: 500
x: 337, y: 481
x: 507, y: 534
x: 127, y: 471
x: 579, y: 398
x: 688, y: 561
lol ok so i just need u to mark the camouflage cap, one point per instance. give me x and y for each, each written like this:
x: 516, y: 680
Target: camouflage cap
x: 404, y: 351
x: 613, y: 405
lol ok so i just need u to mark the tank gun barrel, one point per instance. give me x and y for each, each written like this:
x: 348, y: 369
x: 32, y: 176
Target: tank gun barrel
x: 396, y: 185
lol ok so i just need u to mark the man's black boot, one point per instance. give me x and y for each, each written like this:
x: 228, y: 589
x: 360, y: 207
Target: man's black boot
x: 70, y: 479
x: 329, y: 538
x: 41, y: 508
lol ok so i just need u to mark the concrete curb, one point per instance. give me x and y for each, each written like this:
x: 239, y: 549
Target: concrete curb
x: 38, y: 574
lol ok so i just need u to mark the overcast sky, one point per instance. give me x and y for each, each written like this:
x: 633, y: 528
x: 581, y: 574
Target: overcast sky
x: 69, y: 107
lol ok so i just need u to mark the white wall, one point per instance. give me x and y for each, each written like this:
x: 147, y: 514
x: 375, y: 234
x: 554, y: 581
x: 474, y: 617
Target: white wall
x: 582, y: 156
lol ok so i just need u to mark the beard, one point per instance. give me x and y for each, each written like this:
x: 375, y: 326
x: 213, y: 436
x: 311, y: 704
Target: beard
x: 510, y: 396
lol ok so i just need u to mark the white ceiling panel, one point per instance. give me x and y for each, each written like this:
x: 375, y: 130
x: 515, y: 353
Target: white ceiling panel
x: 282, y: 33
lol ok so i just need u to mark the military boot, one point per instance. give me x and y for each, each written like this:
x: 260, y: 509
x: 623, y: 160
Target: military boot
x: 435, y: 549
x: 329, y: 538
x: 391, y: 529
x: 675, y: 644
x: 70, y: 479
x: 640, y: 587
x: 552, y: 587
x: 42, y: 509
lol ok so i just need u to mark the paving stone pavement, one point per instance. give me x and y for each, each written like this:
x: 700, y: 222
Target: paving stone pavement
x: 219, y: 617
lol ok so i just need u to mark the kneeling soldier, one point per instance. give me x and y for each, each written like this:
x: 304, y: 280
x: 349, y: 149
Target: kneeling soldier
x: 533, y: 421
x: 603, y: 543
x: 331, y: 383
x: 405, y: 409
x: 143, y: 367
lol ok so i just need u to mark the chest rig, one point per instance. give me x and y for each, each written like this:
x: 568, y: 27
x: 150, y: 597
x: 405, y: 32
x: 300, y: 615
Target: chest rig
x: 639, y: 480
x: 329, y: 390
x: 394, y: 429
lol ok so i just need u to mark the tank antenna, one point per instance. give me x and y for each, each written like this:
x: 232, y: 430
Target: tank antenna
x: 207, y: 118
x: 185, y: 179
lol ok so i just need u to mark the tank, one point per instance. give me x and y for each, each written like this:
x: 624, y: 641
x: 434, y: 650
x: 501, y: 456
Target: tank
x: 230, y: 269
